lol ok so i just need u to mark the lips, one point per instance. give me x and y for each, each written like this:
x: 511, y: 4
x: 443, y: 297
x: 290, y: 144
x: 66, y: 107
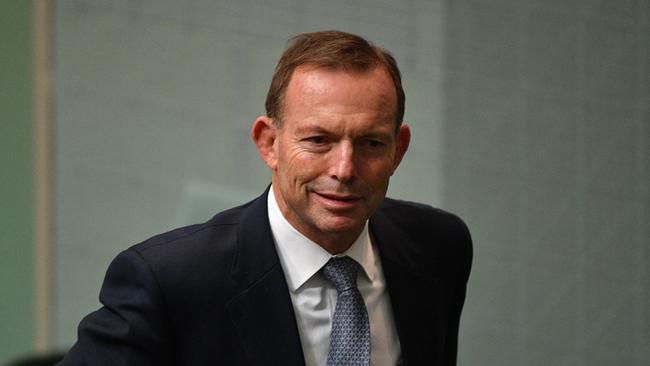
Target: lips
x: 338, y: 200
x: 339, y: 197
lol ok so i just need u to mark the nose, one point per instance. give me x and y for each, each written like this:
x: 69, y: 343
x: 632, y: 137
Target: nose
x: 342, y: 164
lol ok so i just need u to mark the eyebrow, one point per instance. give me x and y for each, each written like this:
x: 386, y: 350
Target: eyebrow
x: 317, y: 129
x: 311, y: 128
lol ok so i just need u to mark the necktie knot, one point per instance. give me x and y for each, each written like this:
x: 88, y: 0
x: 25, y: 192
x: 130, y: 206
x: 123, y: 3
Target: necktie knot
x: 341, y: 272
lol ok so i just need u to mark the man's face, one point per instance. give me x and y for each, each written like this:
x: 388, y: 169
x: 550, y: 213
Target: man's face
x: 335, y: 151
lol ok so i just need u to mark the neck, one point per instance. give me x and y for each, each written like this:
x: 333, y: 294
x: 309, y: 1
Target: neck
x: 335, y: 244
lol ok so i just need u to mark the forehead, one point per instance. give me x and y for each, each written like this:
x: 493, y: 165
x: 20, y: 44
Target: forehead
x: 312, y: 90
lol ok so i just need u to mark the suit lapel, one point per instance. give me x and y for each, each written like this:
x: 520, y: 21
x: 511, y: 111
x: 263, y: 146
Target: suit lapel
x: 406, y: 281
x: 261, y: 308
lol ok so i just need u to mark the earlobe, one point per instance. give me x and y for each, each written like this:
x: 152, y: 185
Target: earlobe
x: 263, y: 134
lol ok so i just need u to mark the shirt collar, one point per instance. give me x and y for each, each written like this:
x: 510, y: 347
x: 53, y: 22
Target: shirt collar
x: 301, y: 257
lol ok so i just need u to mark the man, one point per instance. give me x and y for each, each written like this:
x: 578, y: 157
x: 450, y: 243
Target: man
x: 320, y: 269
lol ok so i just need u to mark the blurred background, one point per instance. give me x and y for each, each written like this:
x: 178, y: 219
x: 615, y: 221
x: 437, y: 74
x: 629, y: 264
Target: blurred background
x: 530, y: 118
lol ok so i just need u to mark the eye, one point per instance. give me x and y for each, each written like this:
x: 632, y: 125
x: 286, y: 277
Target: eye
x: 374, y: 143
x: 317, y: 140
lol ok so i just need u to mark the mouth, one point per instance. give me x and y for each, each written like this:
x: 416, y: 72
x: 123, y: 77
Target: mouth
x: 338, y: 200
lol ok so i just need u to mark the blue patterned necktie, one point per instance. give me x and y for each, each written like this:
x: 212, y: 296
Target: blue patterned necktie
x: 350, y: 337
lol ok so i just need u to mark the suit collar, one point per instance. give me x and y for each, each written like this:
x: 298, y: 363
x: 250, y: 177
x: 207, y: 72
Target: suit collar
x: 261, y: 307
x: 395, y: 245
x: 403, y: 265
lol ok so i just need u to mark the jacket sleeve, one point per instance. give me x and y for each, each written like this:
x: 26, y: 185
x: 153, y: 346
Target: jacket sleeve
x: 132, y: 326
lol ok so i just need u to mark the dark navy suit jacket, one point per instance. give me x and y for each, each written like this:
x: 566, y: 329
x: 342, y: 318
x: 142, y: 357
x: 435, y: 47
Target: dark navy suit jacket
x: 215, y: 293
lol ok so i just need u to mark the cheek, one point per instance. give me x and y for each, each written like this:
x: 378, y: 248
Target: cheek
x: 299, y: 168
x: 306, y: 172
x: 377, y: 172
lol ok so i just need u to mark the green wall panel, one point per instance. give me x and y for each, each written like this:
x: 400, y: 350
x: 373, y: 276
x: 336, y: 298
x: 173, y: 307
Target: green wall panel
x: 16, y: 183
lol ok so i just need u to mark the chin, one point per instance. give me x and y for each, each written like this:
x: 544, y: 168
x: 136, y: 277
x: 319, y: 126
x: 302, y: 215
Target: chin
x: 342, y: 226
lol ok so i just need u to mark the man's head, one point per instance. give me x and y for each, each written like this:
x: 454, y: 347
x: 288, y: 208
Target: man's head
x: 332, y: 138
x: 331, y: 50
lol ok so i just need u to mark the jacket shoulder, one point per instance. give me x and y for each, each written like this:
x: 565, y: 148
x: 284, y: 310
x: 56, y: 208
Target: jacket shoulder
x: 432, y: 232
x: 419, y: 216
x: 219, y: 227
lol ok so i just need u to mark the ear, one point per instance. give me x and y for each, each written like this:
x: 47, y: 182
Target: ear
x: 264, y: 134
x: 403, y: 141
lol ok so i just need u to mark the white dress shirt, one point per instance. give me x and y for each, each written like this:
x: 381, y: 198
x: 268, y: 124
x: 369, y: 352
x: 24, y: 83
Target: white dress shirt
x: 314, y: 298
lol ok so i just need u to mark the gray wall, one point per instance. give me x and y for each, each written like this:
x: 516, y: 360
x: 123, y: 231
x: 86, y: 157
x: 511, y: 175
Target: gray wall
x: 547, y: 145
x: 530, y: 120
